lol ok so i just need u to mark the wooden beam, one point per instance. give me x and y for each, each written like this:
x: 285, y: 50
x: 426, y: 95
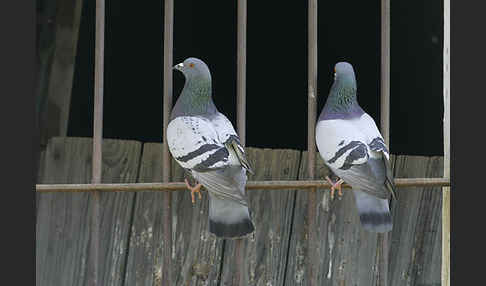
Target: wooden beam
x: 446, y: 195
x: 56, y: 113
x: 93, y: 265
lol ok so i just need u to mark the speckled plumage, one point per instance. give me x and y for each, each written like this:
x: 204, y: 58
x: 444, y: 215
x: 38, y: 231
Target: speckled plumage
x: 353, y: 148
x: 203, y: 141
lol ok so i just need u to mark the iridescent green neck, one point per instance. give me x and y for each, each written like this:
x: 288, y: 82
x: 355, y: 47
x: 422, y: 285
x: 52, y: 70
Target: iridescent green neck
x: 342, y: 101
x: 195, y: 98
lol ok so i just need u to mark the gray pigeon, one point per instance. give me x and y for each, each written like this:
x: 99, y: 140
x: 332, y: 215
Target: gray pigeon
x: 204, y: 142
x: 353, y: 148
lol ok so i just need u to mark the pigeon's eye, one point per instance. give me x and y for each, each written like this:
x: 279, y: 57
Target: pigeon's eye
x: 334, y: 70
x: 191, y: 65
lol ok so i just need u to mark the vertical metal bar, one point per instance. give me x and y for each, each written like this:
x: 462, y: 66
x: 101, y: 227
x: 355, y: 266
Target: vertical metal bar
x: 93, y: 265
x: 385, y: 71
x: 241, y: 109
x: 166, y: 165
x: 385, y: 122
x: 311, y: 123
x: 446, y: 196
x: 241, y: 72
x: 167, y: 102
x: 312, y: 85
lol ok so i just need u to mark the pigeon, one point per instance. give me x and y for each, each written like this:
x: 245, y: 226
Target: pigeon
x: 203, y: 142
x: 352, y: 147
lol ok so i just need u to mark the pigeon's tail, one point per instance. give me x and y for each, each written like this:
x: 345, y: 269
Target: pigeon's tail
x: 374, y: 213
x: 228, y: 218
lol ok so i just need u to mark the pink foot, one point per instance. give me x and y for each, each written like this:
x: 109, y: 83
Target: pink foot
x: 335, y: 186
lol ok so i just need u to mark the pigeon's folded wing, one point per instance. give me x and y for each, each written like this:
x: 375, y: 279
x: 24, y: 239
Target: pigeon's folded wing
x: 227, y: 183
x: 378, y: 150
x: 343, y: 145
x: 230, y: 139
x: 195, y: 145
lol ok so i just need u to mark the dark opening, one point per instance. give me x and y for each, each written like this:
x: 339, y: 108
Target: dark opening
x: 276, y: 67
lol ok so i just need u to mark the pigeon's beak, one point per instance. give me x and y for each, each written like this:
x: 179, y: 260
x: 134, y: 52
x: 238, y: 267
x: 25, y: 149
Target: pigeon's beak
x: 179, y: 66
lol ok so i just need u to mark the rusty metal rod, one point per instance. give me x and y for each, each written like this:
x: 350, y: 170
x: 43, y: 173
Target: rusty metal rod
x: 93, y: 263
x: 446, y: 196
x: 311, y: 123
x: 251, y: 185
x: 167, y: 83
x: 385, y: 71
x: 312, y: 86
x: 240, y: 111
x: 385, y: 123
x: 241, y: 72
x: 166, y: 157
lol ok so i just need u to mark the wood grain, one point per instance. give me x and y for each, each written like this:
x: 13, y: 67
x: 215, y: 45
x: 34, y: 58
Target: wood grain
x: 132, y: 246
x: 345, y: 252
x: 62, y: 229
x: 264, y: 253
x: 196, y: 255
x: 68, y: 20
x: 415, y: 254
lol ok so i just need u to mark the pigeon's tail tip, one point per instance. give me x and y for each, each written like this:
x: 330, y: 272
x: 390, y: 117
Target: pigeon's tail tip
x: 232, y: 230
x: 229, y: 219
x: 376, y: 222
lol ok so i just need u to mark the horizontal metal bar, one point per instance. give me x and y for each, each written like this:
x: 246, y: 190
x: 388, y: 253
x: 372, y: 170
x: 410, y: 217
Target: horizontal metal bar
x: 251, y: 185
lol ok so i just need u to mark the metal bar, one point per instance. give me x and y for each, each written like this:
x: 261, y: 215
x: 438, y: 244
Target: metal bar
x: 241, y: 72
x: 385, y: 123
x: 93, y: 265
x: 241, y: 110
x: 385, y: 71
x: 312, y: 86
x: 311, y: 121
x: 251, y: 185
x: 166, y: 164
x: 167, y: 101
x: 446, y: 196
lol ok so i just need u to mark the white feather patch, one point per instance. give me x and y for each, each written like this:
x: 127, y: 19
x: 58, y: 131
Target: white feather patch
x: 186, y: 134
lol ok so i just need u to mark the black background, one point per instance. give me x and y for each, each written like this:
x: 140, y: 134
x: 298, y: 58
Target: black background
x: 276, y: 67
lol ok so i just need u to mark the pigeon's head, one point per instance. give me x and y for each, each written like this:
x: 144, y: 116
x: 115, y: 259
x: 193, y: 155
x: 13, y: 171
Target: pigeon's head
x: 193, y: 67
x: 344, y: 73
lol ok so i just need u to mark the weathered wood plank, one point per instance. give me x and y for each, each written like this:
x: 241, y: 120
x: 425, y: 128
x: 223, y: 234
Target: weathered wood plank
x: 346, y: 252
x: 46, y: 28
x: 196, y: 255
x: 40, y: 174
x: 68, y: 20
x: 265, y: 252
x: 62, y: 229
x: 415, y: 254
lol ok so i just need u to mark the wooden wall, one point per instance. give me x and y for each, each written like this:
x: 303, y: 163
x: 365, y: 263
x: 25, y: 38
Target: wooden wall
x: 132, y: 229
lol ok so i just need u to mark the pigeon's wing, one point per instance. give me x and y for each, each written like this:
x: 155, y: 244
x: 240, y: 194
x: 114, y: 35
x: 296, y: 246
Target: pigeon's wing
x: 195, y: 145
x: 230, y: 139
x: 208, y: 147
x: 226, y: 183
x: 378, y: 149
x: 228, y: 206
x: 343, y: 146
